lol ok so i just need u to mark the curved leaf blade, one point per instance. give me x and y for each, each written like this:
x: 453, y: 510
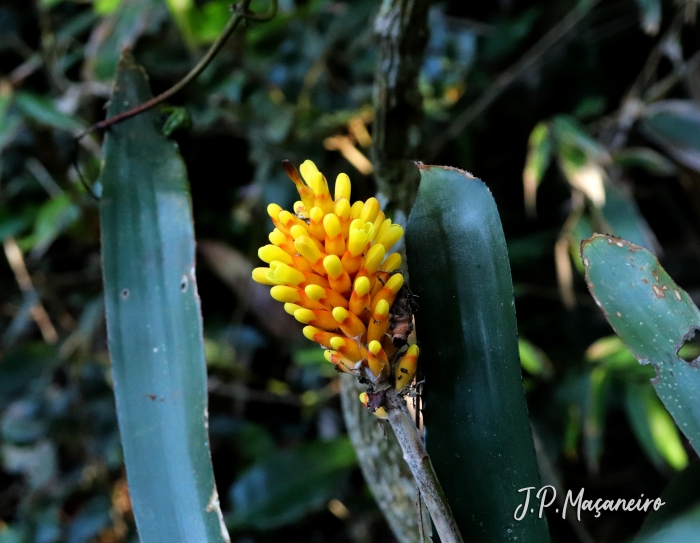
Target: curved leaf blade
x: 477, y: 427
x: 154, y: 325
x: 653, y: 317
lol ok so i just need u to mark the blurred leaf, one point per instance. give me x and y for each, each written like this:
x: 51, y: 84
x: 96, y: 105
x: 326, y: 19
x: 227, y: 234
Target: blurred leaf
x: 43, y: 111
x: 9, y: 121
x: 682, y: 529
x: 645, y: 158
x: 596, y: 410
x: 9, y: 535
x: 589, y: 106
x: 539, y: 155
x: 653, y: 317
x: 37, y: 462
x: 154, y: 324
x: 309, y: 357
x: 21, y: 366
x: 200, y: 24
x: 90, y: 521
x: 534, y: 360
x: 105, y: 7
x: 622, y: 215
x: 675, y: 126
x: 286, y: 486
x: 255, y: 442
x: 570, y: 133
x: 680, y: 495
x: 54, y: 217
x: 12, y: 224
x: 649, y: 16
x: 654, y: 427
x: 509, y: 34
x: 119, y: 30
x: 21, y: 423
x: 612, y: 353
x: 179, y: 119
x: 582, y: 173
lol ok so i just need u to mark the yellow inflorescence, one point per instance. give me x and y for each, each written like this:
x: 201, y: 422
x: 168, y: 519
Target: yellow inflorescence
x: 329, y: 263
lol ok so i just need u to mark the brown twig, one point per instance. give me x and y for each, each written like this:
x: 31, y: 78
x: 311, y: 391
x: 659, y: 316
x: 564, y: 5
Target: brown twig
x: 241, y: 12
x: 24, y: 280
x: 421, y: 467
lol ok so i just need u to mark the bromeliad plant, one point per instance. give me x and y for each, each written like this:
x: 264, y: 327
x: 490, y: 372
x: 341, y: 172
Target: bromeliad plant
x: 329, y: 264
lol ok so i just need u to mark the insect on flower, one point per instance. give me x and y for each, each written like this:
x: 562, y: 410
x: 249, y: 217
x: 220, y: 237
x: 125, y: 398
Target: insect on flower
x: 329, y: 262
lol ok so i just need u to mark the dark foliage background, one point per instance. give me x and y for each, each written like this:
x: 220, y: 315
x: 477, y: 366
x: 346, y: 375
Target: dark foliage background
x: 578, y: 81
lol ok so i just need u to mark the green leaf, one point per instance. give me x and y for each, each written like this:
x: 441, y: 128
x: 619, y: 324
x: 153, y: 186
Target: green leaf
x: 596, y: 409
x: 200, y: 25
x: 53, y: 218
x: 680, y: 496
x: 43, y: 111
x: 539, y: 155
x: 119, y: 30
x: 179, y: 119
x: 675, y: 126
x: 645, y: 158
x: 105, y: 7
x: 653, y: 317
x: 154, y: 324
x: 653, y: 426
x: 286, y: 486
x: 534, y: 360
x: 624, y: 219
x: 477, y: 428
x: 683, y: 529
x: 612, y: 353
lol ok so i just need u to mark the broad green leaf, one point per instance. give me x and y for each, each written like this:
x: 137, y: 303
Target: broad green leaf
x: 653, y: 426
x: 154, y: 324
x: 477, y: 427
x: 653, y: 316
x: 675, y: 126
x: 282, y: 488
x: 539, y: 155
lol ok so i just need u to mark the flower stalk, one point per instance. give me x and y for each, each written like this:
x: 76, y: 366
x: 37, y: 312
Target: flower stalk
x: 421, y: 467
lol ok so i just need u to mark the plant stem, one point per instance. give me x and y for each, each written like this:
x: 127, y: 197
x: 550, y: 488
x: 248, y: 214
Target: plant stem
x: 240, y: 12
x: 402, y: 29
x: 418, y: 461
